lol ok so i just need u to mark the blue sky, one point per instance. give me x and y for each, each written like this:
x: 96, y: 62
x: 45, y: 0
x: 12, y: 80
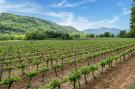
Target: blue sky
x: 81, y: 14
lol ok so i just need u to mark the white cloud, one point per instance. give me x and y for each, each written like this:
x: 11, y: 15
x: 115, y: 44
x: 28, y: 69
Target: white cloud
x: 120, y: 4
x: 27, y: 7
x: 62, y: 18
x: 113, y: 20
x: 61, y: 15
x: 126, y: 11
x: 65, y: 3
x: 81, y: 23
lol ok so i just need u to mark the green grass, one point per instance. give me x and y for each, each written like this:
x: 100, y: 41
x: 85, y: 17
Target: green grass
x: 132, y: 86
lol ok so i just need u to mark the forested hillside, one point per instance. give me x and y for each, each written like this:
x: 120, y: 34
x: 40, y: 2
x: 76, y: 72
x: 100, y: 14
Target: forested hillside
x: 10, y: 23
x: 13, y: 25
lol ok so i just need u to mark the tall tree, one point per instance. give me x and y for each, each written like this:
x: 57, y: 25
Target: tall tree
x: 122, y: 34
x: 132, y: 21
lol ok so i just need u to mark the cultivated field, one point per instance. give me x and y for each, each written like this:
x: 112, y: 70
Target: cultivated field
x: 67, y: 64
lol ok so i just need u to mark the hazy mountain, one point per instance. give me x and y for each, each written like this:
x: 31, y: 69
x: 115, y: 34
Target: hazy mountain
x: 102, y: 30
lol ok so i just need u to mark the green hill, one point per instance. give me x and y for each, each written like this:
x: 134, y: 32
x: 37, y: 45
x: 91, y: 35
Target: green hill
x: 10, y: 23
x: 70, y: 29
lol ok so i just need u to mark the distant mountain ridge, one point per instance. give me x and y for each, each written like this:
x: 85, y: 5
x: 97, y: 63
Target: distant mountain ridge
x: 102, y: 30
x: 10, y: 23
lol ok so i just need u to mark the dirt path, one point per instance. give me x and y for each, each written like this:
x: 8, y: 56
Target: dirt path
x: 119, y: 77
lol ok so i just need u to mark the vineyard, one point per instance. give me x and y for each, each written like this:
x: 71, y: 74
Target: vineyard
x: 59, y: 64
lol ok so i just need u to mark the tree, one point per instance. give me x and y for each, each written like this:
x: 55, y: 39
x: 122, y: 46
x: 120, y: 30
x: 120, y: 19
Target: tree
x: 101, y: 35
x: 132, y: 21
x: 90, y: 36
x: 106, y: 34
x: 41, y: 35
x: 122, y: 34
x: 37, y: 35
x: 76, y: 36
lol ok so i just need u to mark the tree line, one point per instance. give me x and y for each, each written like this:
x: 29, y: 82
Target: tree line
x: 121, y: 34
x: 41, y: 35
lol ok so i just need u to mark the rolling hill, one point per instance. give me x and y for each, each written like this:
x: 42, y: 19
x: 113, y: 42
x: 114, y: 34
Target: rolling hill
x: 102, y: 30
x: 15, y: 24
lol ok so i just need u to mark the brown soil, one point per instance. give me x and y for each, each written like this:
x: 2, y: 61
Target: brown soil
x: 121, y: 76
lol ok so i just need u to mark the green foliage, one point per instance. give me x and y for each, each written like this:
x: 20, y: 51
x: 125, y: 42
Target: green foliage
x: 62, y: 49
x: 32, y: 27
x: 36, y: 35
x: 31, y: 74
x: 122, y: 34
x: 55, y: 83
x: 44, y: 69
x: 10, y: 36
x: 106, y: 34
x: 44, y: 87
x: 57, y: 66
x: 90, y: 36
x: 10, y: 80
x: 74, y: 76
x: 132, y: 21
x: 84, y: 70
x: 71, y: 29
x: 22, y: 66
x: 36, y: 62
x: 23, y: 24
x: 103, y: 63
x: 132, y: 86
x: 93, y: 68
x: 41, y: 35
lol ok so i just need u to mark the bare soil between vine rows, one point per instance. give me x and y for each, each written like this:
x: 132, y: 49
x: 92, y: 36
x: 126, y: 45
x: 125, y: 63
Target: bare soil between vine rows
x: 121, y: 76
